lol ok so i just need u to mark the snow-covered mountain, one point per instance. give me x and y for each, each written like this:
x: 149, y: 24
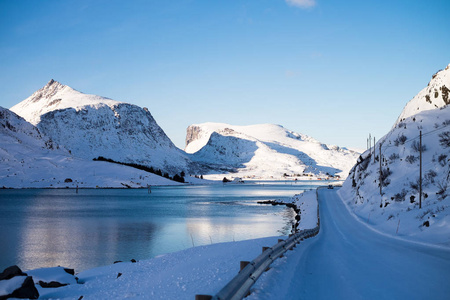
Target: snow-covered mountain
x: 265, y: 150
x: 30, y: 159
x: 397, y: 208
x: 435, y: 95
x: 90, y: 126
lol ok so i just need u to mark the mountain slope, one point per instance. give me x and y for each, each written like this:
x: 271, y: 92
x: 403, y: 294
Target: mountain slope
x: 398, y: 207
x: 264, y: 150
x: 435, y: 95
x: 90, y: 126
x: 29, y: 159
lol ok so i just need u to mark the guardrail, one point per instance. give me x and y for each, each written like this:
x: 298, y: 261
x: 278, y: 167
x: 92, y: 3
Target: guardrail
x: 240, y: 285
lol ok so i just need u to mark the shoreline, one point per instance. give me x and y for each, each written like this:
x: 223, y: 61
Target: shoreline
x: 167, y: 276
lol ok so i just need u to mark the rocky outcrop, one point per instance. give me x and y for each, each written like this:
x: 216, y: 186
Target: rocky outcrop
x: 16, y: 284
x: 192, y: 134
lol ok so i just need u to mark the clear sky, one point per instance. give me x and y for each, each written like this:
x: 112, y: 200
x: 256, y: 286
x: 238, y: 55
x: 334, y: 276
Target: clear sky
x: 334, y: 70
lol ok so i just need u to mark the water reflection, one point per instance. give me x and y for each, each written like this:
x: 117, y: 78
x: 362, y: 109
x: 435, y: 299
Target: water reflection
x: 42, y: 228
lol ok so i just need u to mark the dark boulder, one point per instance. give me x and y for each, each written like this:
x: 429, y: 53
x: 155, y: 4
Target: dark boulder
x: 11, y: 272
x: 69, y: 271
x: 27, y: 290
x: 51, y: 284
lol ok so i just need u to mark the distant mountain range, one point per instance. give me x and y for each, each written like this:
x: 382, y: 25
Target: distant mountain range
x: 61, y: 125
x: 266, y: 149
x: 398, y: 204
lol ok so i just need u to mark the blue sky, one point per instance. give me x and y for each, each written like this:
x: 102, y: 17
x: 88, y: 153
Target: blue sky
x: 334, y: 70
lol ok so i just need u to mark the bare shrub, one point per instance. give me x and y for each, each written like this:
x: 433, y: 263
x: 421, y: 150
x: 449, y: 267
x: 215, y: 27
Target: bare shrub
x: 410, y: 159
x: 430, y: 175
x: 384, y: 176
x: 400, y: 140
x: 414, y: 185
x: 394, y: 156
x: 416, y: 147
x: 400, y: 197
x: 442, y: 193
x: 442, y: 159
x: 444, y: 139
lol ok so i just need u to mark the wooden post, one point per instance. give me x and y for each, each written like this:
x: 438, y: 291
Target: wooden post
x: 381, y: 173
x: 243, y: 264
x: 265, y: 248
x: 203, y: 297
x: 420, y: 170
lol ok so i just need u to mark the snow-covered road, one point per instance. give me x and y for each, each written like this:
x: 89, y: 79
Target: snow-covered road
x: 348, y: 260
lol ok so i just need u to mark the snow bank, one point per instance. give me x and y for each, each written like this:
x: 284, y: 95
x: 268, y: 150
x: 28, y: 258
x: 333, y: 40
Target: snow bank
x: 179, y: 275
x: 307, y: 203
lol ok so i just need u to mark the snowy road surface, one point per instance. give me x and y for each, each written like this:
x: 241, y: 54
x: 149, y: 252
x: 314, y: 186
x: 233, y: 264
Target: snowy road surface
x: 348, y: 260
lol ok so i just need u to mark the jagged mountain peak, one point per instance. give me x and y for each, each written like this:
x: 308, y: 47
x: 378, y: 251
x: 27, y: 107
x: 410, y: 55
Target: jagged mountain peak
x: 56, y: 96
x: 48, y: 91
x: 91, y: 126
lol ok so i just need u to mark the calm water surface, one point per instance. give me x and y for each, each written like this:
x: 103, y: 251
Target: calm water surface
x: 50, y: 227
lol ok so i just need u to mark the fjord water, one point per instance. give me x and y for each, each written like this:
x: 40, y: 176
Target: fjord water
x: 94, y: 227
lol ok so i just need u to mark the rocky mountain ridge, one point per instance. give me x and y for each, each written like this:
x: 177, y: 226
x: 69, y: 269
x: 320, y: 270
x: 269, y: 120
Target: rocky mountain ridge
x: 90, y: 126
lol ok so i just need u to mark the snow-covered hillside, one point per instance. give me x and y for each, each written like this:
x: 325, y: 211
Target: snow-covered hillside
x: 398, y: 206
x: 90, y: 126
x: 435, y: 95
x: 30, y: 159
x: 265, y: 150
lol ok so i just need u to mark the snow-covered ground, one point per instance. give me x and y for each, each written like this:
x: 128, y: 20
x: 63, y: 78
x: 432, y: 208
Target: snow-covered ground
x: 307, y: 203
x: 179, y: 275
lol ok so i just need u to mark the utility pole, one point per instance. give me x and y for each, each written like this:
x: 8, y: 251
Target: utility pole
x: 373, y: 149
x: 420, y: 170
x: 381, y: 173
